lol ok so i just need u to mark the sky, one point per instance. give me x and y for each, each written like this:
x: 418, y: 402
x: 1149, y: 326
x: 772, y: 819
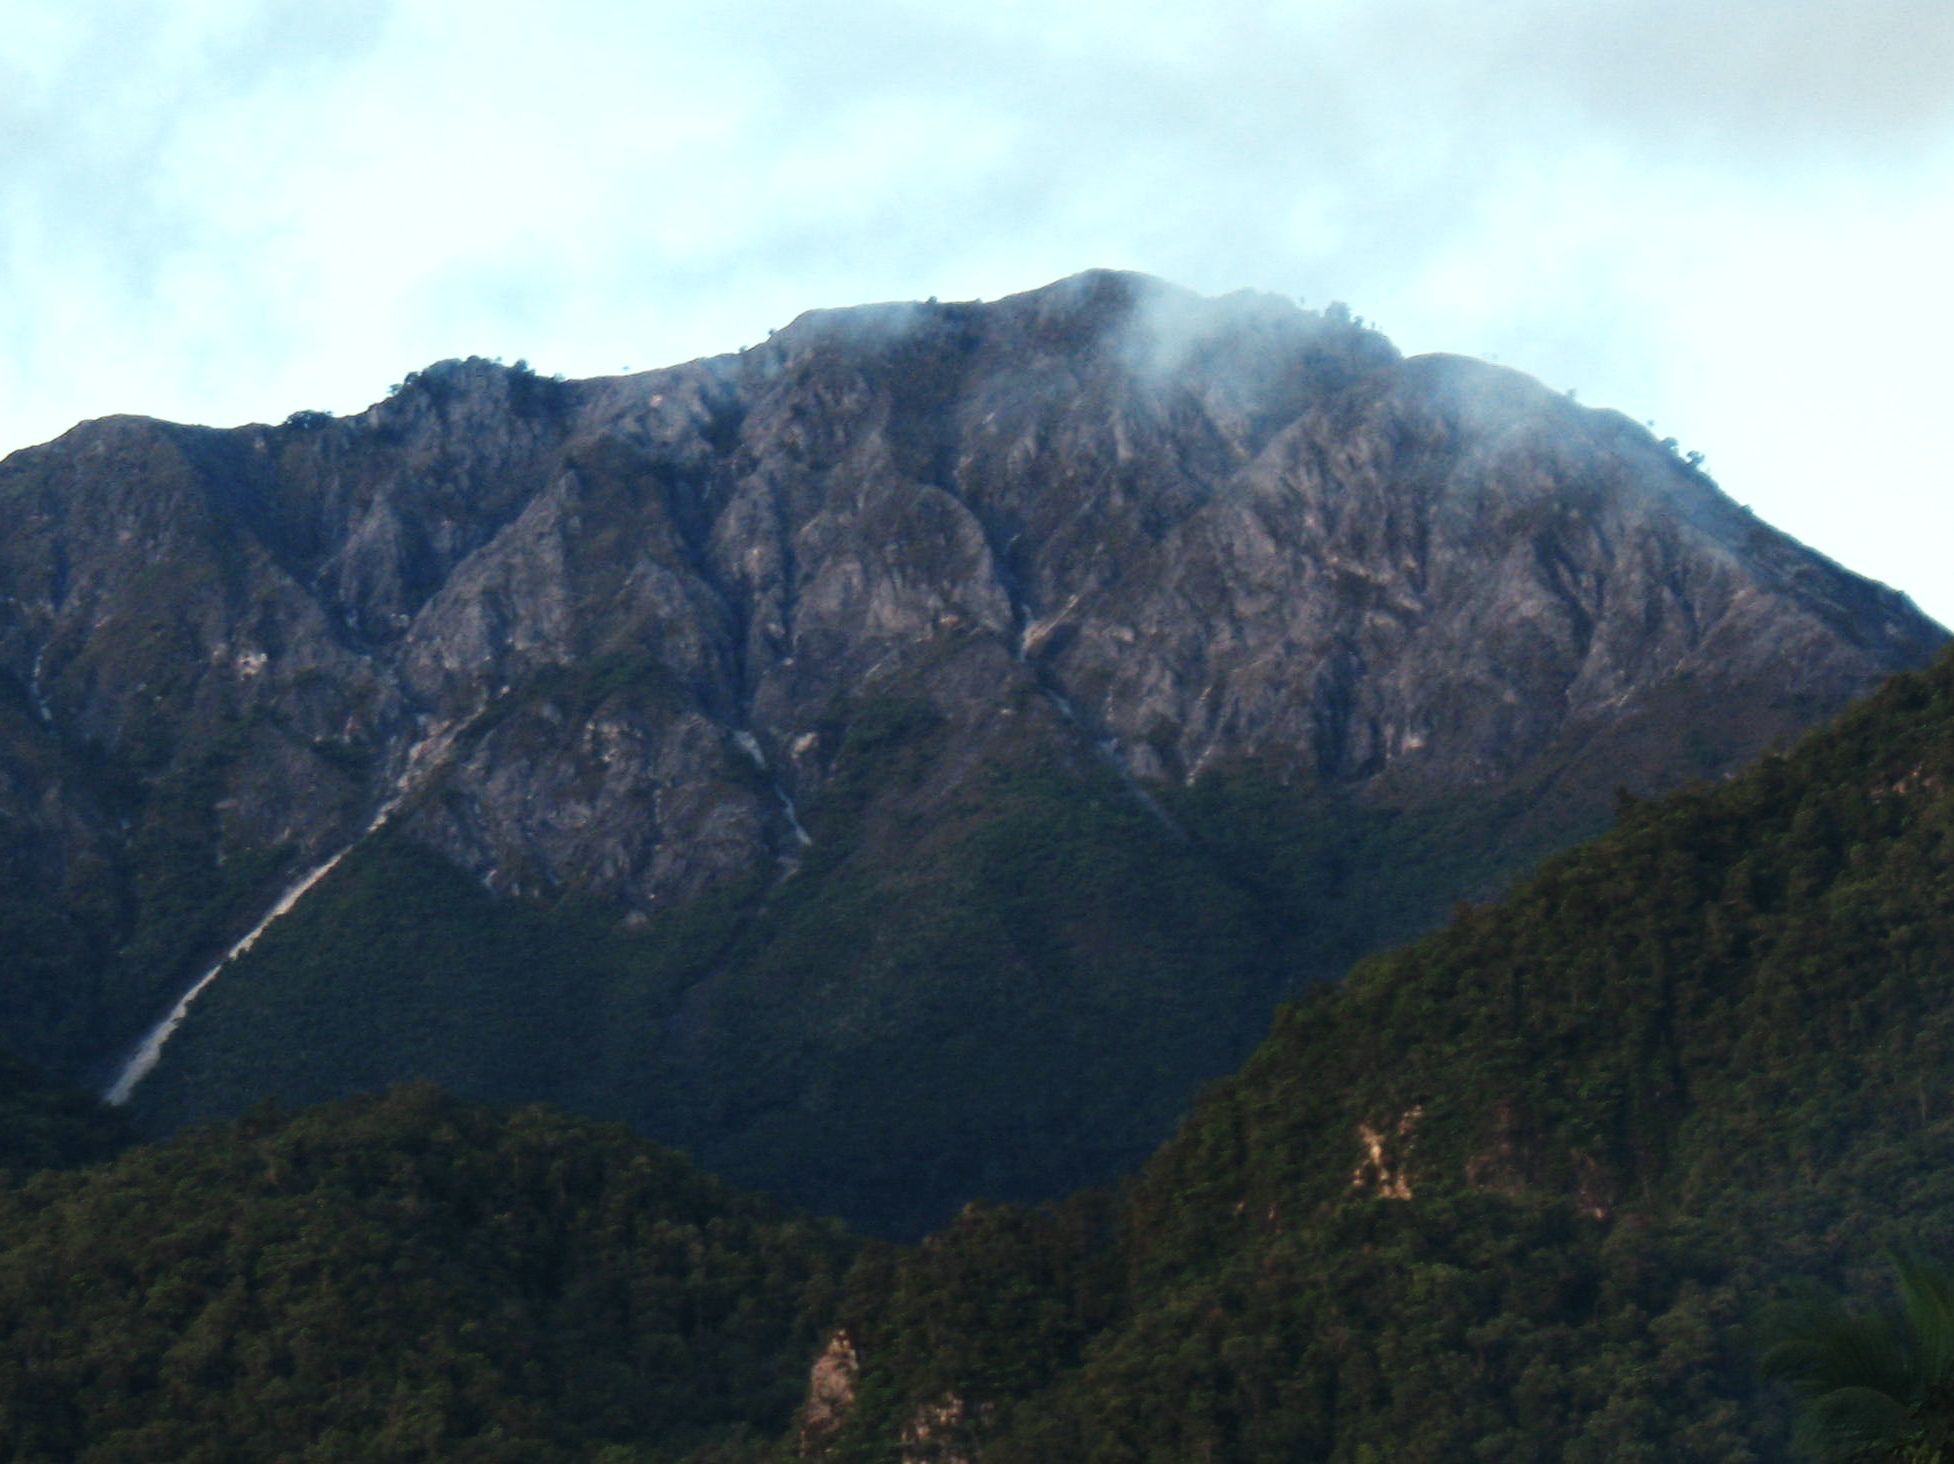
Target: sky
x: 1731, y: 218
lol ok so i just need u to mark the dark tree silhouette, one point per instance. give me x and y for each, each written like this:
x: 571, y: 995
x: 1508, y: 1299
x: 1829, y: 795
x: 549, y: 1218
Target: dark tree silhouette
x: 1874, y: 1384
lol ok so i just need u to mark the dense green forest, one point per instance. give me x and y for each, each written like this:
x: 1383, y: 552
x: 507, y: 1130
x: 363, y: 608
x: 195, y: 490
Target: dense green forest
x: 1520, y: 1191
x: 44, y: 1125
x: 408, y: 1277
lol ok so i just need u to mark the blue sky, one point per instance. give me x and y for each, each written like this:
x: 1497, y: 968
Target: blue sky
x: 1729, y: 219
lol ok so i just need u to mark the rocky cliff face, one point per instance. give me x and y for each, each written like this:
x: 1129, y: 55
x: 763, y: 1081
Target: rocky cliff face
x: 610, y: 637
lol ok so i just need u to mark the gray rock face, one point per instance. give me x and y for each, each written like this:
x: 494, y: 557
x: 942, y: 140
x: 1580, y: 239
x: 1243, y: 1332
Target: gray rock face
x: 618, y: 617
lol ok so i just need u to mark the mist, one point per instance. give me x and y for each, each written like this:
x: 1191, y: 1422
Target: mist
x: 1726, y: 220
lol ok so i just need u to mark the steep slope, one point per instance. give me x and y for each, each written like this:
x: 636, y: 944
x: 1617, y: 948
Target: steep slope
x: 1515, y: 1192
x: 397, y: 1278
x: 1129, y: 660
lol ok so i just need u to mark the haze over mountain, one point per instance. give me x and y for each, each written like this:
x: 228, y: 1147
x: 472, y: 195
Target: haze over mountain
x: 898, y: 762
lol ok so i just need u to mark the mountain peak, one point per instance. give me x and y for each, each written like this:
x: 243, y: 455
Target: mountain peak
x: 1166, y: 624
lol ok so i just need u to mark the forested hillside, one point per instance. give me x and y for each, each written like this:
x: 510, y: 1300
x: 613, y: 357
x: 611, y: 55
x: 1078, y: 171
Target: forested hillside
x: 403, y: 1278
x: 1517, y: 1192
x: 44, y: 1125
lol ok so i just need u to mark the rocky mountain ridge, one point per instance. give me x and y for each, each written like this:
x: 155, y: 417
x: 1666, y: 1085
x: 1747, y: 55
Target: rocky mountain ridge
x: 1219, y: 533
x: 613, y: 639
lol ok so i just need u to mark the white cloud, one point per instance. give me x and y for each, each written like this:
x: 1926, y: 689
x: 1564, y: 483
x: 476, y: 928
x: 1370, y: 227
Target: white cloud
x: 1723, y: 217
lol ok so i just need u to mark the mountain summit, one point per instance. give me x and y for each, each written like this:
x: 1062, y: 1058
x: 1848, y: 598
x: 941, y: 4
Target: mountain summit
x: 897, y: 761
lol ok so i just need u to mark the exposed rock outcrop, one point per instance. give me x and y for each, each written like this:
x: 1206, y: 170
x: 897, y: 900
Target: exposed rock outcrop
x: 1102, y: 523
x: 1222, y: 529
x: 831, y: 1385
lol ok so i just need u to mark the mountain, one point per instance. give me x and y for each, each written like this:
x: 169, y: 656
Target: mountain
x: 898, y: 763
x: 1523, y: 1191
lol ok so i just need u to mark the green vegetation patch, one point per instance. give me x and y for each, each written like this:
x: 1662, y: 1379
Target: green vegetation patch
x: 44, y: 1125
x: 403, y: 1278
x: 1521, y: 1191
